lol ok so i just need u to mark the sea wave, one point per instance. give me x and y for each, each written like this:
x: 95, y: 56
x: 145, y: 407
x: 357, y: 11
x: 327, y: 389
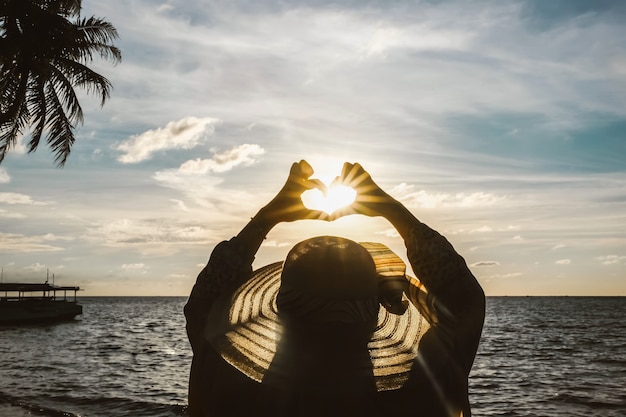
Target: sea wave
x: 103, y: 406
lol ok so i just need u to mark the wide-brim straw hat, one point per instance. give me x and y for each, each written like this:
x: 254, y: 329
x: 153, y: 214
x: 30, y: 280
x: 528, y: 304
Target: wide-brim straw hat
x: 250, y: 327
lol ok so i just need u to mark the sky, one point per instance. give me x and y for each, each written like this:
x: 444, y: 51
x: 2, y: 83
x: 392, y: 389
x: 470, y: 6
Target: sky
x: 500, y: 124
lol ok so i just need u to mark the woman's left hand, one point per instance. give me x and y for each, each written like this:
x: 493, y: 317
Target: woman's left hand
x: 287, y: 205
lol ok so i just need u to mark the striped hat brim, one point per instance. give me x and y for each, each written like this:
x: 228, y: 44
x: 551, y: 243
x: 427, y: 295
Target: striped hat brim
x: 253, y: 327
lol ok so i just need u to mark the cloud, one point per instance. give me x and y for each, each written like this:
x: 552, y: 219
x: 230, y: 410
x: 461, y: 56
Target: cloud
x: 180, y: 204
x: 509, y: 275
x: 11, y: 215
x: 36, y: 267
x: 225, y: 161
x: 486, y: 263
x: 53, y: 237
x: 563, y: 262
x: 423, y: 199
x: 18, y: 243
x: 611, y: 259
x: 509, y: 228
x: 186, y: 133
x: 391, y: 232
x: 18, y: 146
x: 193, y: 180
x: 130, y: 232
x: 4, y: 176
x: 17, y: 198
x: 275, y: 244
x: 133, y: 267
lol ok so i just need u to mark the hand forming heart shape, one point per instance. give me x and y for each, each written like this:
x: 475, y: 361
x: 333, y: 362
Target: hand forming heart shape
x: 338, y: 196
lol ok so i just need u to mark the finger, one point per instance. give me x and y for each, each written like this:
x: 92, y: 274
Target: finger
x: 315, y: 183
x: 355, y: 175
x: 295, y: 169
x: 305, y: 168
x: 345, y: 170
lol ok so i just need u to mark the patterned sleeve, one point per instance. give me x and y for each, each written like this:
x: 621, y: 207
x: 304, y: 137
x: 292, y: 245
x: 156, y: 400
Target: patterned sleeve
x: 227, y: 268
x: 445, y: 291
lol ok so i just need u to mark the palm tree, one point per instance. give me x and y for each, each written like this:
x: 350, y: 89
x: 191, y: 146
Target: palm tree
x: 44, y: 46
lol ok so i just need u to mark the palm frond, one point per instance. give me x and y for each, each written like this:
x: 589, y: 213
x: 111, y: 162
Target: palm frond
x: 66, y: 94
x: 38, y: 109
x: 87, y: 79
x: 96, y: 35
x: 97, y: 30
x: 60, y: 130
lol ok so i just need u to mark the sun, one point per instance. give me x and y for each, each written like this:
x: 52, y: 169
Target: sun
x: 326, y: 170
x: 338, y: 196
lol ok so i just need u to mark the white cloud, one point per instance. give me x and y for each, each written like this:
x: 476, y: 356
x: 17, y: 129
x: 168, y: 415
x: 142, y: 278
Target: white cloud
x: 36, y: 267
x: 165, y: 7
x: 4, y: 176
x: 130, y: 232
x: 388, y: 233
x: 563, y: 262
x: 275, y: 244
x: 509, y: 275
x: 180, y: 204
x: 423, y: 199
x: 133, y: 267
x: 419, y: 37
x: 11, y: 215
x: 225, y: 161
x: 53, y: 237
x: 611, y: 259
x: 18, y: 243
x: 17, y: 198
x: 486, y: 263
x: 186, y: 133
x: 192, y: 178
x: 18, y: 147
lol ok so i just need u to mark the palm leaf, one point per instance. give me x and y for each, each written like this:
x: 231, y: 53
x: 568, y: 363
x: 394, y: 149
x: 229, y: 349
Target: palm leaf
x: 85, y: 78
x: 64, y: 88
x: 38, y: 108
x: 60, y: 130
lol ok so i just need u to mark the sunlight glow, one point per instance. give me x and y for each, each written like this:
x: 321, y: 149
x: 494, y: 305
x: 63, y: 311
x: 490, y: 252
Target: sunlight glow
x: 338, y: 196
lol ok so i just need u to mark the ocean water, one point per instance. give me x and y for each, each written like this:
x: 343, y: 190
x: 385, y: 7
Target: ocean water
x: 129, y: 356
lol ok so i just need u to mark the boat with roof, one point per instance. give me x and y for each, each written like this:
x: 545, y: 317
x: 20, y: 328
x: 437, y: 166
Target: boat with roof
x: 23, y: 303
